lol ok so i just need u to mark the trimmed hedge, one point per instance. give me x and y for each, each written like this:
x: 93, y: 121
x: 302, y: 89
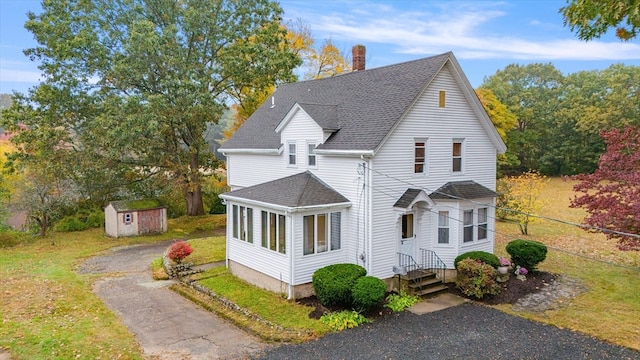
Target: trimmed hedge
x: 485, y: 257
x: 368, y: 293
x: 332, y: 284
x: 527, y: 253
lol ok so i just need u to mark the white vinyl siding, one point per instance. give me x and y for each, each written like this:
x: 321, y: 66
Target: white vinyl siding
x: 394, y: 163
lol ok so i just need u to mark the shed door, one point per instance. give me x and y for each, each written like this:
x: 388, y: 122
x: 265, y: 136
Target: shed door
x: 150, y: 221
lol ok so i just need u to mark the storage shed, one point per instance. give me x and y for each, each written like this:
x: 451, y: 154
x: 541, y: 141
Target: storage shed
x: 134, y: 217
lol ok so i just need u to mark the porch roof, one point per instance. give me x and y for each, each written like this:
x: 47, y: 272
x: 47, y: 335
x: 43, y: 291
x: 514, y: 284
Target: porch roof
x: 412, y: 196
x: 462, y: 190
x: 295, y: 191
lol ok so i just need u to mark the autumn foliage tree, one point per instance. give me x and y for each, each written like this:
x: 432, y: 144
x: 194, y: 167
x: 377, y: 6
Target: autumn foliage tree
x: 611, y: 195
x: 519, y: 198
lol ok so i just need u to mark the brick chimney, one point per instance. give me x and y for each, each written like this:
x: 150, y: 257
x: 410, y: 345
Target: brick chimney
x: 358, y: 54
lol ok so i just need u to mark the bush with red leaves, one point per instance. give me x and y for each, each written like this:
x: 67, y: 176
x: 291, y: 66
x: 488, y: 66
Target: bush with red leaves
x: 178, y: 251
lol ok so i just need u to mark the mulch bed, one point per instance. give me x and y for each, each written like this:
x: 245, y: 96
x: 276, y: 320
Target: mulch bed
x: 512, y: 291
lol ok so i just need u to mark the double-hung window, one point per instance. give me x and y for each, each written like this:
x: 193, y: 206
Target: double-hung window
x: 467, y: 226
x: 457, y: 156
x: 419, y: 156
x: 274, y: 230
x: 443, y: 227
x: 311, y: 155
x: 321, y: 233
x: 482, y: 223
x: 291, y: 152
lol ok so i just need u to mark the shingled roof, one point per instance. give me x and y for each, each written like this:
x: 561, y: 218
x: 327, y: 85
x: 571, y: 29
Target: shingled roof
x: 363, y: 105
x: 300, y: 190
x: 456, y: 190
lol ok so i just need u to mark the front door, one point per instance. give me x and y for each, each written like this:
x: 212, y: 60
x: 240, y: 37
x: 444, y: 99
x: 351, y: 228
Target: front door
x: 407, y: 235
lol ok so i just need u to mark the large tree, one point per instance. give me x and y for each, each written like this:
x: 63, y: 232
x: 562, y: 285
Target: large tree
x: 611, y: 195
x: 156, y: 73
x: 593, y: 18
x: 530, y: 92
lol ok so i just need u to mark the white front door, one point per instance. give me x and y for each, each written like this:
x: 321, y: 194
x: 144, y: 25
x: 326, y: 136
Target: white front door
x: 408, y: 235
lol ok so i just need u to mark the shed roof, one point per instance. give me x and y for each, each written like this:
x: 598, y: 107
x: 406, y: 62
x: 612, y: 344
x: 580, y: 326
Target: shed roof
x: 133, y: 205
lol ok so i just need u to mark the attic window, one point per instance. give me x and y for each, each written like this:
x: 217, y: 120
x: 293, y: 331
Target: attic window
x: 441, y: 98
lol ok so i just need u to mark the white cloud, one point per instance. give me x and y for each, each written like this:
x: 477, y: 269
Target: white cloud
x: 11, y: 75
x: 465, y: 28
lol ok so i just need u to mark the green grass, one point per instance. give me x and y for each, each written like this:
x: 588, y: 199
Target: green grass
x: 206, y: 250
x: 47, y: 309
x: 610, y: 309
x: 272, y: 307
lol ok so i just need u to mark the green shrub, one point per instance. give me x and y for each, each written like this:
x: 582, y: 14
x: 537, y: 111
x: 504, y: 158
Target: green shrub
x: 476, y: 278
x: 485, y: 257
x: 10, y: 238
x: 217, y: 207
x: 399, y: 302
x: 527, y: 253
x: 342, y: 320
x: 368, y: 293
x: 80, y: 221
x: 332, y: 284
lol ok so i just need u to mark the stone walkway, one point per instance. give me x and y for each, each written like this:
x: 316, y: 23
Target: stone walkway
x: 166, y: 325
x: 551, y: 297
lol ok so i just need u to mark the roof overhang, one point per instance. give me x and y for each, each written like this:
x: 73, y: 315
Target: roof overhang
x: 287, y: 209
x: 277, y: 151
x: 412, y: 197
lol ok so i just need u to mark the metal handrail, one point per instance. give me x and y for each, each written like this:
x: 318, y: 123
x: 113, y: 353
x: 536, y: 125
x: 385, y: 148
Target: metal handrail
x: 407, y: 263
x: 431, y: 261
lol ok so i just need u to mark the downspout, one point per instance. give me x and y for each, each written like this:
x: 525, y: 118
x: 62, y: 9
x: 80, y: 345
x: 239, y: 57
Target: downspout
x: 288, y: 215
x: 370, y: 215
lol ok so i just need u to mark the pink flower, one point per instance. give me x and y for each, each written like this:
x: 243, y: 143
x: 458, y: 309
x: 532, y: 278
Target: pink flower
x: 504, y: 261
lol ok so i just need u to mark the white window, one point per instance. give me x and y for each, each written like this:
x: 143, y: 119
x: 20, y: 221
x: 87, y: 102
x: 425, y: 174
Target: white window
x: 127, y: 218
x: 472, y: 220
x: 291, y: 148
x: 457, y: 156
x: 311, y: 154
x: 419, y: 156
x: 443, y: 227
x: 467, y: 226
x: 243, y: 223
x: 321, y: 233
x: 482, y: 223
x: 274, y: 230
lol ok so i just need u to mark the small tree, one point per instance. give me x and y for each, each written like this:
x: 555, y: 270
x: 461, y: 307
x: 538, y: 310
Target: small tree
x: 178, y: 251
x: 611, y: 195
x: 521, y: 198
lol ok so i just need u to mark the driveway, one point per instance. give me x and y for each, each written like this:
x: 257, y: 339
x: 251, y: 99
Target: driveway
x: 166, y: 325
x: 467, y: 331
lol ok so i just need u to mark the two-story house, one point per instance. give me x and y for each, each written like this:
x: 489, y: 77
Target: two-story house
x: 377, y: 167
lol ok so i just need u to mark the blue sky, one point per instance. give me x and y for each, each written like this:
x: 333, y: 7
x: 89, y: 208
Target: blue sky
x: 485, y: 36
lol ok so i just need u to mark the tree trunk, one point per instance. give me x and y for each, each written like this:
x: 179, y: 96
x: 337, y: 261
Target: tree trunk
x: 192, y: 189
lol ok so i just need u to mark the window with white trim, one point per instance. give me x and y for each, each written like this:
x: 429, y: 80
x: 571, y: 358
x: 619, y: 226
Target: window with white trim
x: 482, y: 223
x: 457, y: 155
x: 311, y: 154
x: 475, y: 224
x: 321, y: 233
x: 127, y: 218
x: 419, y: 156
x: 467, y: 226
x: 274, y: 229
x: 243, y: 223
x: 443, y: 227
x: 291, y: 152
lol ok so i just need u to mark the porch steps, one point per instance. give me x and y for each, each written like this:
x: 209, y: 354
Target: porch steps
x: 424, y: 283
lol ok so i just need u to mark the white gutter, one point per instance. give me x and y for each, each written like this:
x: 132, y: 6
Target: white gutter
x: 359, y: 153
x: 286, y: 209
x: 253, y: 151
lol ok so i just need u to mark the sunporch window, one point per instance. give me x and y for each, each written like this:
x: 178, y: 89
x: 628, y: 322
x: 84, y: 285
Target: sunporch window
x: 274, y: 229
x: 321, y: 233
x: 243, y: 223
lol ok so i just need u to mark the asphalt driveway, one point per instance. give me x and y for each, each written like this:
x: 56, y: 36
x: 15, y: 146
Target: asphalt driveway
x: 467, y: 331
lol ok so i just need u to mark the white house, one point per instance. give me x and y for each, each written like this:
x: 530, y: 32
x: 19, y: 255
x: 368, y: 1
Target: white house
x: 134, y: 217
x: 390, y: 168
